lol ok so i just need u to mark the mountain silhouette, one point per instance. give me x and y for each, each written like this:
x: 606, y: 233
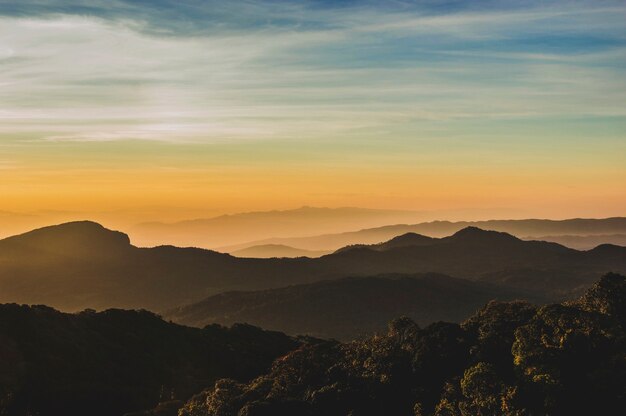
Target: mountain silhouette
x: 578, y: 233
x: 475, y: 235
x: 582, y: 242
x: 346, y: 308
x: 276, y: 250
x: 408, y: 239
x: 470, y: 251
x: 69, y: 239
x: 242, y: 227
x: 78, y: 265
x: 404, y: 240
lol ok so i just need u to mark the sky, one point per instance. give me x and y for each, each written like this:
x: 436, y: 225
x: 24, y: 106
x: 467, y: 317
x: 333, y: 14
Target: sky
x: 164, y: 109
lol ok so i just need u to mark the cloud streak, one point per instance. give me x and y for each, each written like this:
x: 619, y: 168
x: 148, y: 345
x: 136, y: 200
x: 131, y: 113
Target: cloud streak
x: 107, y: 71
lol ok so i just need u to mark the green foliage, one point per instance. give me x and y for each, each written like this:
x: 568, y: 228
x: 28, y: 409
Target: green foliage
x: 572, y: 359
x: 482, y: 388
x: 509, y: 359
x: 608, y: 297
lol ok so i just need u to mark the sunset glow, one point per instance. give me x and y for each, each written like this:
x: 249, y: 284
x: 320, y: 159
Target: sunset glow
x: 136, y: 111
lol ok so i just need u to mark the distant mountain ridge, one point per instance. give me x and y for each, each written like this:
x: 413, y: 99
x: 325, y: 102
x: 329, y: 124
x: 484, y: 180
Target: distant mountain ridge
x: 276, y: 250
x: 81, y: 265
x: 238, y: 228
x: 583, y: 242
x: 562, y: 231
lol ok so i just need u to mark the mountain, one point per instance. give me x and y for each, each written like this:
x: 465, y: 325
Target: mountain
x: 74, y: 239
x: 81, y: 265
x: 232, y: 229
x: 583, y: 242
x: 489, y: 256
x: 346, y: 308
x: 276, y: 250
x: 404, y: 240
x: 116, y: 361
x: 507, y: 359
x: 590, y: 229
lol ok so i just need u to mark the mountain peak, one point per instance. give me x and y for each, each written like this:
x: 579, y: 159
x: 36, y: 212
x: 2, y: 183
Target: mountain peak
x: 475, y: 234
x: 75, y: 237
x: 408, y: 239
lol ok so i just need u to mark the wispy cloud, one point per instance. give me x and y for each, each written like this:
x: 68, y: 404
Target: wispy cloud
x: 117, y: 70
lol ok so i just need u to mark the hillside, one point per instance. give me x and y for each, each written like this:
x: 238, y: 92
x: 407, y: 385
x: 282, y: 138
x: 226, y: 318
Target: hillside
x: 116, y: 361
x: 346, y: 308
x: 489, y: 256
x: 507, y: 359
x: 81, y: 265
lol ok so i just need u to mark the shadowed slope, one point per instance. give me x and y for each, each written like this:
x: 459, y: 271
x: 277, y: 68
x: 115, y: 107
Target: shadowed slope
x: 69, y: 239
x: 79, y: 265
x: 117, y: 361
x: 345, y: 308
x: 507, y: 359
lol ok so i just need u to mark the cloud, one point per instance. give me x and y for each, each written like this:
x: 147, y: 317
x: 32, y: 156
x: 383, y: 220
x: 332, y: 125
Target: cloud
x: 206, y: 71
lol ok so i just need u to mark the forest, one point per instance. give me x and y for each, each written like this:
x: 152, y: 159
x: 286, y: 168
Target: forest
x: 509, y: 358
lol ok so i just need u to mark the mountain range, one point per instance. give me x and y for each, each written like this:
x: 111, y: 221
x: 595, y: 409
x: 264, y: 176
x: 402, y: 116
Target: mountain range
x: 225, y: 230
x: 580, y: 234
x: 327, y: 229
x: 81, y: 265
x: 347, y: 308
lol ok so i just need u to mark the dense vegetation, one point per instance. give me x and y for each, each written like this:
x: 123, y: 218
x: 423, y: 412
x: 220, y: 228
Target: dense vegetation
x: 507, y: 359
x: 117, y: 361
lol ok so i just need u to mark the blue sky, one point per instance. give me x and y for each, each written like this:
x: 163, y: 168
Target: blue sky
x: 395, y: 62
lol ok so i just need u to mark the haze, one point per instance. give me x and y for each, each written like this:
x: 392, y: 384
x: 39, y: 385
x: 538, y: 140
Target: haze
x: 126, y: 112
x: 312, y: 207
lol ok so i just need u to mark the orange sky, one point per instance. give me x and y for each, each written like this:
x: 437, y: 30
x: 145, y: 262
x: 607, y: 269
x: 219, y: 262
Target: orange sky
x: 124, y: 115
x: 123, y: 196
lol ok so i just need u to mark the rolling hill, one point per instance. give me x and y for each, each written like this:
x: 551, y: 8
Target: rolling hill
x: 510, y: 358
x: 81, y: 265
x: 346, y: 308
